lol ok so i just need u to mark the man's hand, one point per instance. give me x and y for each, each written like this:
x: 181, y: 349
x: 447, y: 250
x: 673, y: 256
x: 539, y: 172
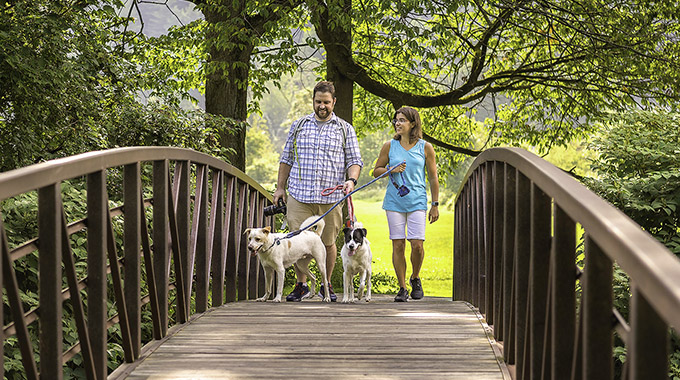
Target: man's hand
x: 348, y: 187
x: 279, y: 193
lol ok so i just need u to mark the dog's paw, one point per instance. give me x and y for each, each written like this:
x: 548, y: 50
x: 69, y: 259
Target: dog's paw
x: 345, y: 300
x: 327, y: 299
x: 261, y: 299
x: 368, y: 299
x: 277, y: 299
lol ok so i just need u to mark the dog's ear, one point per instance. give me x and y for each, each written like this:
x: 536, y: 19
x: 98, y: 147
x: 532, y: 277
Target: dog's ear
x: 344, y: 230
x: 267, y: 229
x: 247, y: 231
x: 363, y: 231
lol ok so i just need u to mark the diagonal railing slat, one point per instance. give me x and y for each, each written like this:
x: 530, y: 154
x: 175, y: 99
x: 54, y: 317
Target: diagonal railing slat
x: 555, y: 320
x: 79, y: 311
x: 17, y: 309
x: 197, y: 251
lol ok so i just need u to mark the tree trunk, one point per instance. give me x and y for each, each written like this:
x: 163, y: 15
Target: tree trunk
x: 226, y: 89
x: 344, y: 86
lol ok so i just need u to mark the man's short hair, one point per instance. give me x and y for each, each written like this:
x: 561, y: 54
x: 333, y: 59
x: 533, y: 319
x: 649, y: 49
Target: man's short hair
x: 324, y: 86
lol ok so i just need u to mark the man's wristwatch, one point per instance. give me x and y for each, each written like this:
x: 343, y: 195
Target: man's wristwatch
x: 435, y: 203
x: 353, y: 180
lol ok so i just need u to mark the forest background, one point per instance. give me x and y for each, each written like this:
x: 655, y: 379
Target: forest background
x: 593, y: 86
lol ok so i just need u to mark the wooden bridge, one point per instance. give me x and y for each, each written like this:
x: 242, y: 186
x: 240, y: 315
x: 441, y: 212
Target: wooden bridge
x: 157, y: 241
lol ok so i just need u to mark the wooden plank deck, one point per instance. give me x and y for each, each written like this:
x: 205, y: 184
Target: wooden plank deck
x: 433, y: 338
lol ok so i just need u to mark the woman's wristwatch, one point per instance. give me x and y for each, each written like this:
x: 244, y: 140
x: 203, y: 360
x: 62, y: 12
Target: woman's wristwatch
x: 435, y: 203
x: 353, y: 180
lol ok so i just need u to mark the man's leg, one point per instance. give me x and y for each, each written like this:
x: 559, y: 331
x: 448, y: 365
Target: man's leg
x: 331, y: 256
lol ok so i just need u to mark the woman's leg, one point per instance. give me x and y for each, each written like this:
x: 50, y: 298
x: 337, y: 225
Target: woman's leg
x: 396, y: 221
x: 399, y: 260
x: 417, y: 257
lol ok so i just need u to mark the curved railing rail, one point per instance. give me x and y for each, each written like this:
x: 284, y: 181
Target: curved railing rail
x: 515, y: 258
x: 200, y: 205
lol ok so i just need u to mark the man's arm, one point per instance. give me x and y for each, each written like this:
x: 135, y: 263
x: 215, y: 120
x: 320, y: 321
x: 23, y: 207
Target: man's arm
x: 280, y: 192
x: 352, y: 172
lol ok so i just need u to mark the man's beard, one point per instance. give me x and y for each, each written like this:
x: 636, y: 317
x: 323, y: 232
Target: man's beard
x: 322, y: 113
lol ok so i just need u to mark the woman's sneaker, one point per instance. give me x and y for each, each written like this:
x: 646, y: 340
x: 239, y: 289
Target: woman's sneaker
x: 416, y: 289
x: 300, y: 292
x: 402, y: 296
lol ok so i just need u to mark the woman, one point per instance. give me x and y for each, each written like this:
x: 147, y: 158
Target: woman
x: 405, y: 200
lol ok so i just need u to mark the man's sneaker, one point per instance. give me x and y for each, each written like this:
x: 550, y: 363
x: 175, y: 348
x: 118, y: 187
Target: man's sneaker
x: 402, y: 296
x: 334, y: 298
x: 416, y: 289
x: 300, y: 292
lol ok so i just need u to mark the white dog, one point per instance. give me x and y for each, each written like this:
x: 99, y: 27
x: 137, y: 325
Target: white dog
x: 356, y: 259
x: 277, y: 255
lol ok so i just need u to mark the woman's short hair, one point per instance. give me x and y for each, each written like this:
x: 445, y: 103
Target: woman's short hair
x: 414, y: 117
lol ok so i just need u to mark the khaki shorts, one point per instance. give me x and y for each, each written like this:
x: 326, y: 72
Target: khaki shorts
x: 297, y: 212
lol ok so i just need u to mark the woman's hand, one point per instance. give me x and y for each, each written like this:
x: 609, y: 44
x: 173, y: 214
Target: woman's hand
x: 400, y: 168
x: 433, y: 216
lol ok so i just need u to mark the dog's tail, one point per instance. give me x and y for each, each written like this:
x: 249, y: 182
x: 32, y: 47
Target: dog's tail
x: 317, y: 227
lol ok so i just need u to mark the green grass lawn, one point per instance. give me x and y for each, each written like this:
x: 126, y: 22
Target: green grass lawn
x: 437, y: 271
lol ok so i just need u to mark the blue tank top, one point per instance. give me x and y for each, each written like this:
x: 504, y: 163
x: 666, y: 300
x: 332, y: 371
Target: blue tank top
x: 414, y: 176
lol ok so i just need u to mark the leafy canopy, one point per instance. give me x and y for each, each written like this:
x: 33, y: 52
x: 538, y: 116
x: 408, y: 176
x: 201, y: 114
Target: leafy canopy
x: 542, y: 70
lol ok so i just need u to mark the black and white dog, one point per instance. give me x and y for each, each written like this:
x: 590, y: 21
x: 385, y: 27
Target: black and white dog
x: 356, y: 259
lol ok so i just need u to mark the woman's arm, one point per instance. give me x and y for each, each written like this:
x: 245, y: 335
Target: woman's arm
x: 431, y: 165
x: 381, y: 164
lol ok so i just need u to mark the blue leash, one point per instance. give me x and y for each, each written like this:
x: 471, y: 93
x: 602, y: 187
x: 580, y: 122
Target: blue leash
x: 291, y: 234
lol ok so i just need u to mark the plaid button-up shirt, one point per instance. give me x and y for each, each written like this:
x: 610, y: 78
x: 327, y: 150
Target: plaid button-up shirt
x: 319, y: 158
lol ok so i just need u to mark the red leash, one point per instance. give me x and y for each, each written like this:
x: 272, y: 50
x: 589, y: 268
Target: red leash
x: 350, y: 205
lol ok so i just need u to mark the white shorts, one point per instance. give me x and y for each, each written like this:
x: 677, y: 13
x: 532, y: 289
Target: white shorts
x: 401, y: 223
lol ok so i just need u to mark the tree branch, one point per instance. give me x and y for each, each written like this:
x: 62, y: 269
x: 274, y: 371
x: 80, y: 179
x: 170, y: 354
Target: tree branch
x: 444, y: 145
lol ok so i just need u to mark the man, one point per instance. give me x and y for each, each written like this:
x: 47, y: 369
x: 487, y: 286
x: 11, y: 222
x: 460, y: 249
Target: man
x: 321, y: 151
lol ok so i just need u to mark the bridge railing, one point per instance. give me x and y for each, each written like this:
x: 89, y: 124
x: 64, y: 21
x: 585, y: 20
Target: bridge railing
x: 197, y: 208
x: 515, y: 244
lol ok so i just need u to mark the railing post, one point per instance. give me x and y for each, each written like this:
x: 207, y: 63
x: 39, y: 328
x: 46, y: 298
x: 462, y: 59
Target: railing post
x: 161, y: 230
x: 488, y: 196
x: 49, y: 264
x: 457, y: 237
x: 243, y: 257
x: 509, y: 217
x: 252, y: 266
x: 261, y: 221
x: 474, y: 238
x: 539, y: 270
x: 597, y: 313
x: 521, y: 273
x: 563, y: 306
x: 4, y: 250
x: 648, y: 350
x: 232, y: 247
x: 182, y: 201
x: 199, y: 237
x: 217, y: 237
x: 132, y: 189
x: 469, y: 244
x: 497, y: 248
x: 97, y: 211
